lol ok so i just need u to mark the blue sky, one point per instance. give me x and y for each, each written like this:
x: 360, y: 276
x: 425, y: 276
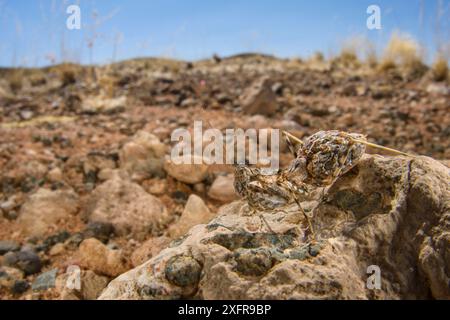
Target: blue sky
x: 34, y: 33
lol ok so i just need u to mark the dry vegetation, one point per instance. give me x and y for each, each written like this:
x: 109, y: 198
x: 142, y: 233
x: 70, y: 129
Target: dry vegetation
x: 439, y: 69
x: 403, y: 54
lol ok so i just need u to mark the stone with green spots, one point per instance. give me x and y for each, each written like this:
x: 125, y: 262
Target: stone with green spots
x: 253, y: 262
x: 183, y: 271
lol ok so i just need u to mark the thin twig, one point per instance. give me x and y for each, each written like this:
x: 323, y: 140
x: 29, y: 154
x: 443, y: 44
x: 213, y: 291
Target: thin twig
x: 370, y: 144
x: 293, y: 137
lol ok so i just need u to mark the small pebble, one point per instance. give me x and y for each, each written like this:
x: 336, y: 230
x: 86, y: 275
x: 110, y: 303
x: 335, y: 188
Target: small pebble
x: 7, y: 246
x: 45, y: 280
x: 27, y: 261
x: 19, y: 287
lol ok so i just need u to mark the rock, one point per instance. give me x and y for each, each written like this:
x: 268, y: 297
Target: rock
x: 58, y: 237
x: 277, y: 88
x: 7, y: 246
x: 57, y: 249
x: 187, y: 173
x: 55, y: 175
x: 33, y: 168
x: 222, y: 189
x: 183, y: 271
x: 195, y: 212
x: 318, y: 110
x: 180, y: 196
x: 99, y: 104
x: 446, y: 163
x: 127, y: 207
x: 30, y: 247
x: 52, y: 240
x: 44, y: 209
x: 349, y: 90
x: 156, y: 187
x: 99, y: 230
x: 74, y: 241
x: 148, y: 249
x: 392, y: 212
x: 27, y: 261
x: 9, y: 276
x: 19, y: 287
x: 253, y: 262
x: 96, y: 162
x: 94, y: 255
x: 381, y: 92
x: 223, y: 98
x: 45, y: 280
x: 438, y: 89
x: 142, y: 157
x: 257, y: 121
x: 90, y: 286
x: 259, y: 98
x: 9, y: 204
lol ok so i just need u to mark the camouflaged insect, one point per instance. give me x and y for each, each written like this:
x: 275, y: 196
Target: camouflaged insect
x: 326, y: 155
x: 320, y: 160
x: 265, y: 192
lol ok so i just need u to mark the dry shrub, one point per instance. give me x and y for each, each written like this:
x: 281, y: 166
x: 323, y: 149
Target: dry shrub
x: 316, y: 62
x: 37, y: 79
x: 347, y: 59
x: 68, y: 73
x: 439, y: 69
x: 405, y: 54
x: 317, y: 57
x: 386, y: 65
x: 68, y: 77
x: 358, y: 51
x: 108, y: 82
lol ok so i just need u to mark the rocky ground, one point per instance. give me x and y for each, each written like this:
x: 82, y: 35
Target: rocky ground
x: 85, y: 182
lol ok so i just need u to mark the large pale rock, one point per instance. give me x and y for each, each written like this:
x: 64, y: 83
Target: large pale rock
x: 259, y: 98
x: 222, y: 189
x: 127, y: 207
x: 195, y: 212
x: 94, y: 255
x: 44, y: 209
x: 393, y: 213
x: 187, y: 172
x: 142, y: 157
